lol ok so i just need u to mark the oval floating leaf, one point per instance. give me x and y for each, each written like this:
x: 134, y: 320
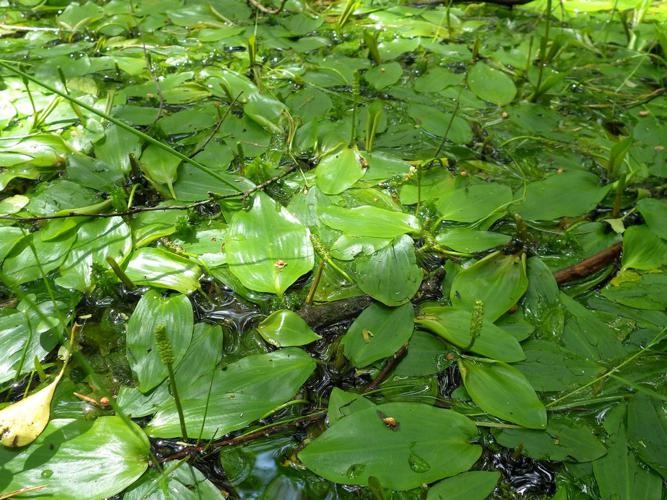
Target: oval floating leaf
x: 546, y: 200
x: 391, y: 274
x: 152, y: 312
x: 491, y: 84
x: 497, y: 280
x: 369, y: 221
x: 243, y: 392
x: 403, y: 445
x: 473, y: 203
x: 467, y: 240
x: 79, y: 459
x: 267, y: 248
x: 384, y: 75
x: 472, y: 485
x: 338, y: 171
x: 502, y: 391
x: 285, y: 328
x: 163, y: 269
x: 454, y: 326
x: 377, y: 333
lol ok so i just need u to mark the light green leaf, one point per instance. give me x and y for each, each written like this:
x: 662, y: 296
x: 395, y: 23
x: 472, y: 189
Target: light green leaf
x: 160, y: 166
x: 152, y: 312
x: 343, y: 403
x: 117, y: 146
x: 473, y: 203
x: 338, y: 171
x: 265, y: 111
x: 177, y: 480
x: 438, y: 123
x: 369, y: 221
x: 564, y: 439
x: 472, y: 485
x: 378, y: 332
x: 502, y: 391
x: 75, y: 459
x: 390, y: 275
x: 243, y: 392
x: 267, y: 248
x: 163, y: 269
x: 497, y: 280
x: 403, y: 445
x: 491, y: 84
x: 654, y: 212
x: 454, y: 326
x: 546, y: 200
x: 384, y: 75
x: 95, y: 240
x: 642, y: 249
x: 285, y: 328
x: 467, y: 240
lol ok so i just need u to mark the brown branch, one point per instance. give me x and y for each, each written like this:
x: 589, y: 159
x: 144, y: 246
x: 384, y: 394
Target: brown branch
x: 389, y: 365
x: 267, y: 10
x: 589, y: 266
x: 326, y: 314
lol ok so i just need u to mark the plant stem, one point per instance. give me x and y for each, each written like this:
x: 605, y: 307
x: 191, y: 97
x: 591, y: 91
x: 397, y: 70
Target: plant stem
x: 315, y: 283
x: 543, y: 52
x: 177, y: 400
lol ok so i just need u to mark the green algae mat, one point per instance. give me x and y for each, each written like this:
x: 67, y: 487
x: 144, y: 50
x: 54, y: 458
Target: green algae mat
x: 352, y: 249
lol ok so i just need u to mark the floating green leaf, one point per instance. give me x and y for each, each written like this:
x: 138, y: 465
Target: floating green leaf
x: 377, y: 333
x: 152, y: 312
x: 243, y: 392
x: 502, y: 391
x: 491, y: 84
x: 472, y: 485
x: 471, y: 241
x: 339, y: 171
x: 454, y: 325
x: 369, y: 221
x: 285, y: 328
x: 163, y: 269
x: 473, y: 203
x: 403, y: 445
x: 267, y: 248
x: 497, y: 280
x: 73, y: 459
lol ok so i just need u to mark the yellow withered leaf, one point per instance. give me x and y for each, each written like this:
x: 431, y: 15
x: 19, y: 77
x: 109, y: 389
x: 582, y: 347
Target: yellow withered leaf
x: 22, y: 422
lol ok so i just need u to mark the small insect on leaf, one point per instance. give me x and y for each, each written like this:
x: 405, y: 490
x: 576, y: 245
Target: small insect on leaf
x: 367, y: 335
x: 280, y: 264
x: 390, y: 422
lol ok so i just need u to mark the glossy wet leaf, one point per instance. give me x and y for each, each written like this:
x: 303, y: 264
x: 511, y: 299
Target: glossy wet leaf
x: 503, y: 391
x: 424, y: 445
x: 343, y: 403
x: 546, y: 200
x: 286, y: 328
x: 160, y: 166
x: 265, y: 111
x: 339, y: 171
x: 369, y: 221
x: 95, y: 241
x: 454, y: 326
x: 472, y: 485
x: 491, y: 84
x: 377, y: 333
x: 163, y: 269
x: 654, y: 212
x: 391, y: 274
x: 563, y: 440
x: 267, y: 248
x: 74, y: 459
x: 426, y: 356
x: 647, y: 431
x: 384, y: 75
x: 471, y: 241
x: 437, y: 123
x: 473, y: 203
x: 619, y: 473
x: 153, y: 311
x: 551, y: 367
x: 240, y: 394
x: 642, y: 249
x: 497, y: 280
